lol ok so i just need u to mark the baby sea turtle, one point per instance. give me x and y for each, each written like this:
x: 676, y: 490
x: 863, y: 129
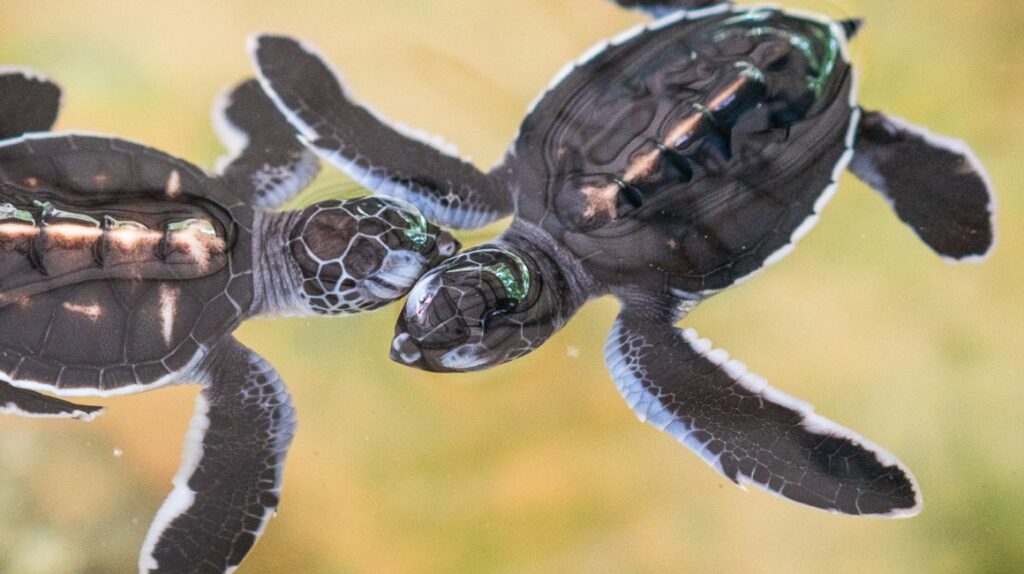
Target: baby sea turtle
x: 123, y: 269
x: 665, y: 165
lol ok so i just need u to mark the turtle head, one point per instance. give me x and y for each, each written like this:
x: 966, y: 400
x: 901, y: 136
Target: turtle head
x: 359, y: 254
x: 484, y: 307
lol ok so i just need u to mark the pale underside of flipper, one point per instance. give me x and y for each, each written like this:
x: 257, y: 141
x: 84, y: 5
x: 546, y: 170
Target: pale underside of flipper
x: 659, y: 8
x: 748, y: 431
x: 229, y: 482
x: 266, y: 163
x: 935, y: 184
x: 26, y: 403
x: 28, y: 102
x: 385, y: 158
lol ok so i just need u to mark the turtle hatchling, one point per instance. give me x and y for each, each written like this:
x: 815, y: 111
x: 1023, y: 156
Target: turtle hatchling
x: 666, y: 164
x: 123, y: 269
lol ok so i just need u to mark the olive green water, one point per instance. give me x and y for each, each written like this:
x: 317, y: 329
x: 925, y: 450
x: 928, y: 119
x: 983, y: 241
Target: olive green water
x: 538, y: 466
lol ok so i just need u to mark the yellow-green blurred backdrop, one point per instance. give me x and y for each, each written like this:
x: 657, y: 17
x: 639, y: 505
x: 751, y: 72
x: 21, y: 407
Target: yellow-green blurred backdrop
x: 539, y: 466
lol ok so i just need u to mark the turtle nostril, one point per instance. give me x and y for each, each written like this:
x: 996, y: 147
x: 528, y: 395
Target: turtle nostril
x: 447, y: 245
x: 404, y: 350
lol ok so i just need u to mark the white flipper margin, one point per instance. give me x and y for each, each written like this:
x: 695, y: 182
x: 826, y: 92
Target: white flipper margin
x: 648, y: 407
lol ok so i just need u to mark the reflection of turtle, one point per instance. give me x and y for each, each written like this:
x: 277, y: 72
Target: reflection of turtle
x: 123, y: 269
x: 664, y: 166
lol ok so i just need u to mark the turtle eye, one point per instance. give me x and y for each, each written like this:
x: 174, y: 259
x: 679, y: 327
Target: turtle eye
x: 416, y: 230
x: 501, y: 308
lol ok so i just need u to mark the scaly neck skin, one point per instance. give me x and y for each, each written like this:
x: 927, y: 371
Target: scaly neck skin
x: 561, y: 269
x: 276, y: 284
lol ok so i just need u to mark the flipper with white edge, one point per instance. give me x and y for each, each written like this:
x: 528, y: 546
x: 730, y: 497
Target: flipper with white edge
x: 28, y: 102
x: 382, y: 157
x: 745, y: 429
x: 266, y: 161
x: 935, y: 184
x: 26, y: 403
x: 229, y: 483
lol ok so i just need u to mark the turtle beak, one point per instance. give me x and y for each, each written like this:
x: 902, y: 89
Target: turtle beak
x: 405, y: 350
x: 447, y: 246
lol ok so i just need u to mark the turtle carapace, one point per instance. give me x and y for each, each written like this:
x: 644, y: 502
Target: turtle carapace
x: 665, y: 165
x: 123, y: 269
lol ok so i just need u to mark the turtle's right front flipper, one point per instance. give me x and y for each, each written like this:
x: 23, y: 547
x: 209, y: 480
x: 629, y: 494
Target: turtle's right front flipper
x: 935, y: 184
x: 229, y: 483
x: 28, y: 102
x: 18, y: 401
x: 379, y: 156
x: 746, y: 430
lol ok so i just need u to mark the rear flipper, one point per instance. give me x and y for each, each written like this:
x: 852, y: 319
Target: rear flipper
x: 935, y: 184
x: 229, y: 482
x: 28, y: 102
x: 746, y: 430
x: 26, y: 403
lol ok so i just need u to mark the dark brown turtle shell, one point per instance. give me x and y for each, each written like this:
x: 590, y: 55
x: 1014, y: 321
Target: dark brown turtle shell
x: 628, y: 162
x: 119, y: 265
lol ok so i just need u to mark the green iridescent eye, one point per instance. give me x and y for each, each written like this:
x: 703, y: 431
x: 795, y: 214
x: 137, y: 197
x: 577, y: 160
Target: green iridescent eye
x: 517, y: 285
x: 416, y: 229
x: 416, y: 226
x: 515, y: 281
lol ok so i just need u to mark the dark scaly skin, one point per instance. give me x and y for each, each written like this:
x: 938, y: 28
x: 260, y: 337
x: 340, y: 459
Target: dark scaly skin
x: 361, y: 254
x: 498, y: 298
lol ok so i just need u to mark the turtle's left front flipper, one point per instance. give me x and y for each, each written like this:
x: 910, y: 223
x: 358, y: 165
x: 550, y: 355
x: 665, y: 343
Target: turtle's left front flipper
x: 383, y: 157
x: 746, y: 430
x: 229, y: 482
x: 266, y: 164
x: 935, y: 184
x: 28, y: 102
x: 18, y: 401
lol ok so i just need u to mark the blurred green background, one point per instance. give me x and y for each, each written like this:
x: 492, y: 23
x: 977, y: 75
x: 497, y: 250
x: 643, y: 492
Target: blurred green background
x: 539, y: 466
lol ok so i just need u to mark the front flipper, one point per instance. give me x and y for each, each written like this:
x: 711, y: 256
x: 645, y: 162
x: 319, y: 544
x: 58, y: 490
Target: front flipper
x: 659, y: 8
x: 379, y: 156
x: 935, y: 184
x: 229, y: 482
x: 28, y: 102
x: 748, y: 431
x: 17, y: 401
x: 266, y: 163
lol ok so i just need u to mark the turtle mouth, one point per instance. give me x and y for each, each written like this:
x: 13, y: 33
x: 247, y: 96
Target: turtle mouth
x: 406, y: 351
x: 447, y: 246
x: 469, y: 357
x: 421, y: 353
